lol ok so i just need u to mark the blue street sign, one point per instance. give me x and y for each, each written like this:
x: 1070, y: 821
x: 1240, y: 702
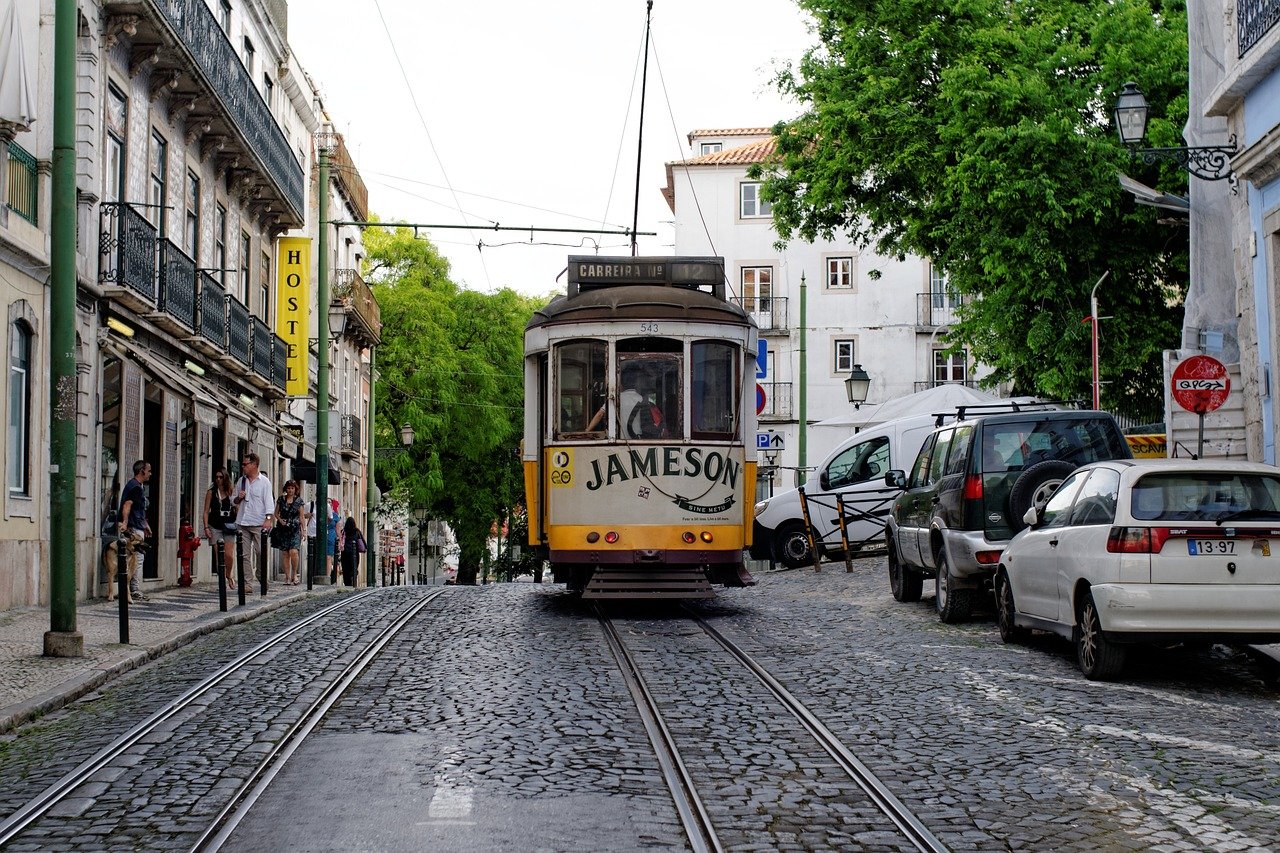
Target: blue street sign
x: 762, y: 359
x: 762, y: 441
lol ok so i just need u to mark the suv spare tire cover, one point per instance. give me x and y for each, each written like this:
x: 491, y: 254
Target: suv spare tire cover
x: 1022, y: 495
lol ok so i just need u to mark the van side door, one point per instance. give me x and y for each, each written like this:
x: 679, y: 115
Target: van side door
x: 931, y: 495
x: 856, y: 475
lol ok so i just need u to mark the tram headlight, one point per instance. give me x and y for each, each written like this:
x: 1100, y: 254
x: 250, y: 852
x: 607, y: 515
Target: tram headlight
x: 760, y: 507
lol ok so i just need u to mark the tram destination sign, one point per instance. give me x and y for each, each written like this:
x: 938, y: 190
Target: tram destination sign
x: 595, y: 271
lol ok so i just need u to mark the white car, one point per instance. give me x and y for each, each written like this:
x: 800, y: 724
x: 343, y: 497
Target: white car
x: 1153, y: 550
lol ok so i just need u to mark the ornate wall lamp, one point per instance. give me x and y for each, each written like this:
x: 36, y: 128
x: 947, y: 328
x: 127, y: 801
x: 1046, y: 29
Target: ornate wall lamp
x: 1207, y: 162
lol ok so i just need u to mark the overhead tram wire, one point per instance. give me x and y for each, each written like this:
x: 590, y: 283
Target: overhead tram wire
x: 430, y: 141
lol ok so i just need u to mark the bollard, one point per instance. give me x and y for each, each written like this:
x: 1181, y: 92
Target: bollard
x: 808, y: 530
x: 264, y: 560
x: 122, y: 587
x: 312, y: 561
x: 240, y: 592
x: 219, y: 557
x: 844, y: 534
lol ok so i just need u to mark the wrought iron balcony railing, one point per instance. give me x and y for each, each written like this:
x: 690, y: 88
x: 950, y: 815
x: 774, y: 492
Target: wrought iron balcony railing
x: 938, y: 309
x: 127, y: 244
x: 351, y: 432
x: 349, y: 289
x: 238, y: 330
x: 192, y: 25
x: 777, y: 400
x: 23, y: 192
x: 349, y: 180
x: 261, y: 336
x: 177, y: 284
x: 770, y: 312
x: 213, y: 311
x: 279, y: 362
x: 1254, y: 19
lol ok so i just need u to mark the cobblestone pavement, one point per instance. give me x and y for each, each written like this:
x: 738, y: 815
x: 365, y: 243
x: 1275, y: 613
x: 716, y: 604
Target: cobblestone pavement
x: 499, y: 721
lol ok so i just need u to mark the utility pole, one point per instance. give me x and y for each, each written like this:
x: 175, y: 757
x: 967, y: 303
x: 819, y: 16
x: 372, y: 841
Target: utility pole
x: 803, y: 443
x: 324, y: 142
x: 371, y: 527
x: 62, y: 638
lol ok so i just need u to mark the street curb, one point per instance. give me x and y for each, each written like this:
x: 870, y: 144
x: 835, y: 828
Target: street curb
x: 23, y: 712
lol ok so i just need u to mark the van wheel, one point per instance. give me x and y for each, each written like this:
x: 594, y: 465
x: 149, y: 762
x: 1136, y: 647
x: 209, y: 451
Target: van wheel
x: 1006, y: 612
x: 792, y: 545
x: 954, y: 604
x: 905, y: 584
x: 1100, y: 659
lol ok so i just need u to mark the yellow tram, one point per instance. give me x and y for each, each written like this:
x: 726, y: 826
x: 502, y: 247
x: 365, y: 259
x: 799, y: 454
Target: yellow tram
x: 639, y: 429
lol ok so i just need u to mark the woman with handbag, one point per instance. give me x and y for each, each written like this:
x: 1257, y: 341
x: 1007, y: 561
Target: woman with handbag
x: 220, y: 524
x: 287, y: 533
x: 352, y: 547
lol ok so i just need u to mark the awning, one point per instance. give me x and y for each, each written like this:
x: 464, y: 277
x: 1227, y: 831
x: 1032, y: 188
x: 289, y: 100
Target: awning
x: 175, y: 378
x: 288, y: 446
x: 305, y: 472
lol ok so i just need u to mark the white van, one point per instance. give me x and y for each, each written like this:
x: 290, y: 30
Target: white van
x: 855, y: 470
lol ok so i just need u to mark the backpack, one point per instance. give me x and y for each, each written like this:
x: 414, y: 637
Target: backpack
x: 645, y: 421
x: 110, y: 525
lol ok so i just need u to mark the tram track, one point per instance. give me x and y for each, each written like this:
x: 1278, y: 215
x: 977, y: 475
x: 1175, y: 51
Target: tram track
x: 683, y: 787
x: 64, y: 788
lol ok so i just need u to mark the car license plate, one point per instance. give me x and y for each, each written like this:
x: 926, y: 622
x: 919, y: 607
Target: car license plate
x: 1210, y: 547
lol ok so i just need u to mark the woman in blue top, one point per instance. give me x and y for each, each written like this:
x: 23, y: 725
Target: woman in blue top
x: 331, y: 548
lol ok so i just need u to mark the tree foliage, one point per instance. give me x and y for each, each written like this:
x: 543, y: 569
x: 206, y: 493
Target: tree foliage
x: 451, y: 366
x: 977, y: 133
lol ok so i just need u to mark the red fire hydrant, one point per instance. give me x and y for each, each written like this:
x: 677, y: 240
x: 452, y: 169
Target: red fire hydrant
x: 188, y: 542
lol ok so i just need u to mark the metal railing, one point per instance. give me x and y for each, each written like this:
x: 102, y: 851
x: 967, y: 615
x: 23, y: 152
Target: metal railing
x: 1254, y: 19
x: 260, y: 337
x: 279, y: 361
x: 238, y: 330
x: 198, y: 31
x: 934, y: 383
x: 938, y: 309
x: 177, y: 284
x: 23, y: 193
x: 350, y: 289
x: 349, y: 179
x: 777, y: 400
x: 127, y: 244
x: 769, y: 312
x: 213, y: 310
x: 351, y: 432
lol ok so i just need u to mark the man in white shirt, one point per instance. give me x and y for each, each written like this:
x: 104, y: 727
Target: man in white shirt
x: 255, y: 512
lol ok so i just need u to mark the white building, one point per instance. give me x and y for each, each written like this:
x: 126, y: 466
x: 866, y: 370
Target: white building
x: 889, y: 316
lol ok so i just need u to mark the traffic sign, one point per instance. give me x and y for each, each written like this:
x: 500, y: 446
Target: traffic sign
x: 762, y: 359
x: 760, y: 398
x: 769, y: 441
x: 1200, y: 384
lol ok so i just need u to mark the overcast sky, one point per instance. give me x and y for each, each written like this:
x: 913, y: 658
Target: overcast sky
x: 526, y: 113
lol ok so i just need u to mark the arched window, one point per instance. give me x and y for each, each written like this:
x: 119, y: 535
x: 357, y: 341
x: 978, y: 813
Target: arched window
x: 19, y: 453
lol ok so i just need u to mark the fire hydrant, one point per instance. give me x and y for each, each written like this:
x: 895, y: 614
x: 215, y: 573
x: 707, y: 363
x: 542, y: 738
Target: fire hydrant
x: 188, y: 542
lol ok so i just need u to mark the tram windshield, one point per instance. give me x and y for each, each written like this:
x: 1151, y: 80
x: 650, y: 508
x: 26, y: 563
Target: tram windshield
x: 714, y: 393
x: 582, y: 380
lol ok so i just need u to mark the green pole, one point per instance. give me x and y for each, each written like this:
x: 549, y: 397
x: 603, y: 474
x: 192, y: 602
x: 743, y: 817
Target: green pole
x: 62, y: 639
x: 803, y: 443
x: 370, y: 526
x: 322, y: 364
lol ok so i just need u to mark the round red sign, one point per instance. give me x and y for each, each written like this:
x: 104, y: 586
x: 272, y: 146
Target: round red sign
x: 1200, y: 384
x: 760, y: 398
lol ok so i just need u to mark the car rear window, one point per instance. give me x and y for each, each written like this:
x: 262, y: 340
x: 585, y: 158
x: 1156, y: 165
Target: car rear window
x: 1014, y: 445
x: 1207, y: 496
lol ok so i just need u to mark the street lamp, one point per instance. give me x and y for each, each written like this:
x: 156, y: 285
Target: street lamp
x: 337, y: 320
x: 857, y: 386
x: 1207, y: 162
x: 406, y: 435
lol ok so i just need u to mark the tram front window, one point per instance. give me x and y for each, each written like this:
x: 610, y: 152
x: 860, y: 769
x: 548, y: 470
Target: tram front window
x: 649, y: 399
x: 581, y: 385
x: 714, y: 392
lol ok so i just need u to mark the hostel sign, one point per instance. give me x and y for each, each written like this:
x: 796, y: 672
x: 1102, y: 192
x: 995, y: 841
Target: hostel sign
x: 293, y: 307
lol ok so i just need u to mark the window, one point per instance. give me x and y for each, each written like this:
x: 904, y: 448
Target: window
x: 220, y: 242
x: 581, y: 385
x: 840, y: 273
x: 1057, y: 511
x: 960, y: 443
x: 117, y: 145
x: 939, y: 457
x: 1206, y: 496
x: 711, y: 148
x: 844, y: 352
x: 191, y: 231
x: 921, y: 465
x: 244, y: 260
x: 19, y: 438
x: 950, y: 367
x: 268, y: 90
x: 158, y: 157
x: 858, y: 464
x: 249, y: 57
x: 941, y: 293
x: 714, y: 393
x: 264, y: 283
x: 1096, y: 503
x: 224, y: 15
x: 649, y: 383
x: 757, y: 289
x: 751, y: 206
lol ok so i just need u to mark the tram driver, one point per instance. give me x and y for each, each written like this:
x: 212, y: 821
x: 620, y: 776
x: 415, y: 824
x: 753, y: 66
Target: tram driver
x: 640, y: 416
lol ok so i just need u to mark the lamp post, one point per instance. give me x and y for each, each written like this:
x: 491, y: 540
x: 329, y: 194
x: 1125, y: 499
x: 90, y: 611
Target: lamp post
x: 857, y: 385
x: 325, y: 143
x: 1207, y: 162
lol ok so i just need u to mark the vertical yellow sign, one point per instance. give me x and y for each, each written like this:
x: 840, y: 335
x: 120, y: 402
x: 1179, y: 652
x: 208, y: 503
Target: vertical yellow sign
x: 293, y: 309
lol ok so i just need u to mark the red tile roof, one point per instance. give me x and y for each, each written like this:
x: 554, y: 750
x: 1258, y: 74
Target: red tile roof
x: 743, y: 155
x: 732, y: 131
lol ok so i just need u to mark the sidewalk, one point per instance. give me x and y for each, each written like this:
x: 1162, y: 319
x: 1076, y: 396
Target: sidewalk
x: 32, y: 685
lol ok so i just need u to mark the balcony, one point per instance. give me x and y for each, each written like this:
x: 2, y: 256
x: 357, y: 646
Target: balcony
x: 177, y: 299
x: 365, y: 315
x: 350, y: 184
x: 260, y: 340
x: 769, y: 312
x: 213, y: 317
x: 190, y: 56
x: 279, y: 363
x: 23, y: 189
x: 1254, y: 19
x: 351, y: 435
x: 127, y: 246
x: 934, y: 310
x: 777, y: 401
x: 238, y: 331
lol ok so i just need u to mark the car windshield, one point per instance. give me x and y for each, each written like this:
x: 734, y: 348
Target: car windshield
x: 1015, y: 445
x: 1206, y: 496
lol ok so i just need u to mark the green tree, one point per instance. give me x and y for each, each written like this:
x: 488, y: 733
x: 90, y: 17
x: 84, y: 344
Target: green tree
x: 451, y: 366
x: 977, y: 133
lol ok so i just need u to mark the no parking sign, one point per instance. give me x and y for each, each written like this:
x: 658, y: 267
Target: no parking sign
x: 1201, y: 384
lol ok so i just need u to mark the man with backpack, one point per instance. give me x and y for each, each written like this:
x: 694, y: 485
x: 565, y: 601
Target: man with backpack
x: 133, y: 523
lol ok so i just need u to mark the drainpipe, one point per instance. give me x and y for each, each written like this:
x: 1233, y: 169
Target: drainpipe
x: 62, y: 639
x: 804, y: 385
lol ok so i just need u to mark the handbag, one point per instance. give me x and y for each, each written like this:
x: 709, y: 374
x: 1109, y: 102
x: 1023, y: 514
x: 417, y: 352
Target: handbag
x: 276, y: 536
x: 359, y: 543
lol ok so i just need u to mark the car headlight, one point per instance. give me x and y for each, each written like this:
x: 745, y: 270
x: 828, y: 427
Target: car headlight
x: 760, y: 507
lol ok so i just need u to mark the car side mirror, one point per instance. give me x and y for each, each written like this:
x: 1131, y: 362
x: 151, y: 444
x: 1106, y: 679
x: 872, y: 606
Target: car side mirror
x: 1031, y: 517
x: 896, y: 479
x: 824, y: 481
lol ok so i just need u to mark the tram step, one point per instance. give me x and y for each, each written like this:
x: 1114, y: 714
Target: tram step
x: 639, y: 583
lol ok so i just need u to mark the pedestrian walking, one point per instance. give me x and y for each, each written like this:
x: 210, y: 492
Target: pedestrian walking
x: 220, y: 524
x: 352, y: 547
x: 331, y: 546
x: 255, y: 512
x: 289, y: 513
x: 134, y: 524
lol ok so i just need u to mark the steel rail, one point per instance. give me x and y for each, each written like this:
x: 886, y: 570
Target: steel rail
x: 693, y: 815
x: 19, y: 820
x: 253, y: 787
x: 893, y: 808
